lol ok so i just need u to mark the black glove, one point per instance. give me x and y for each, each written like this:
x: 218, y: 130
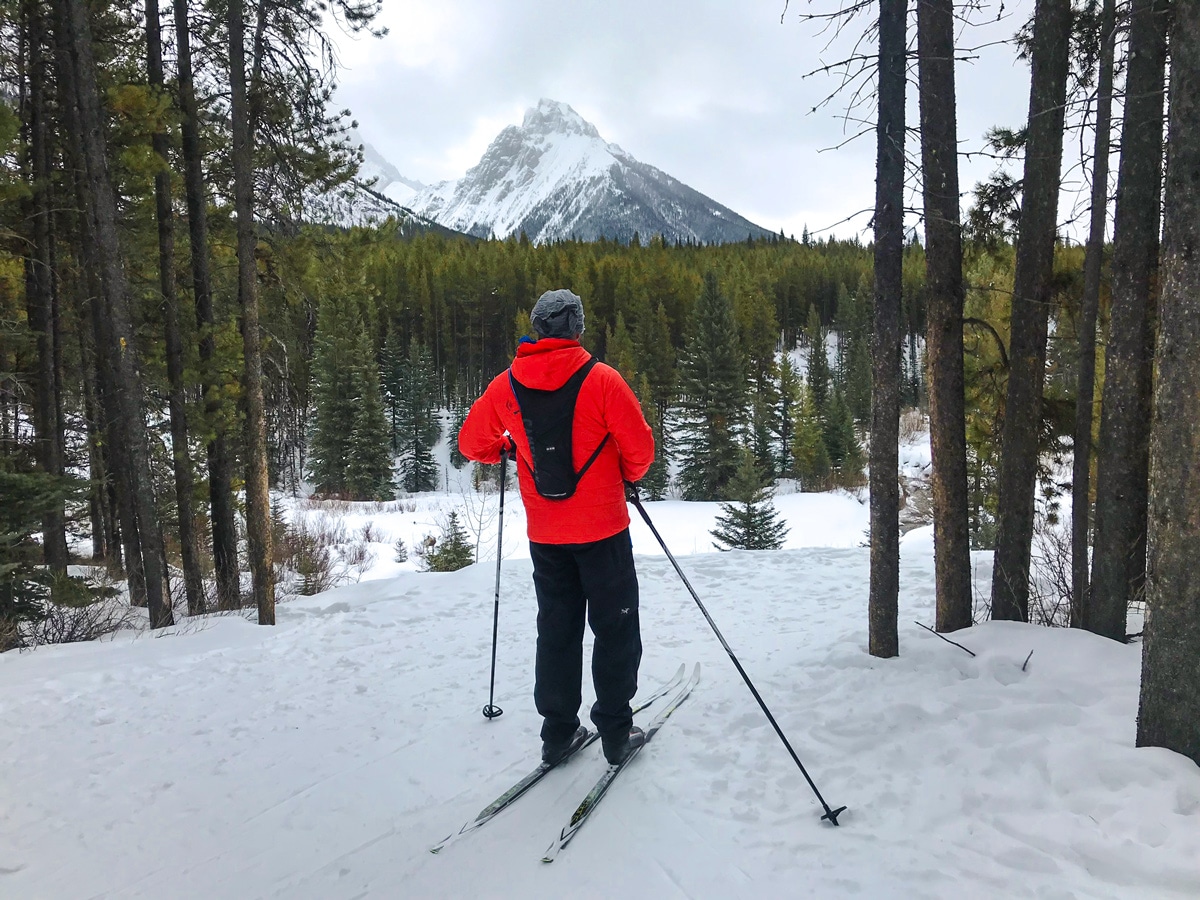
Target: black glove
x: 631, y: 491
x: 509, y: 450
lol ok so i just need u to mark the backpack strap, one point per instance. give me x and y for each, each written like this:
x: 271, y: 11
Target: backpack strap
x: 575, y: 382
x: 591, y: 459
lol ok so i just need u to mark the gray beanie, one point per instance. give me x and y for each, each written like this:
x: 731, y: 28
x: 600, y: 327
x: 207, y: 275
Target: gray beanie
x: 558, y: 314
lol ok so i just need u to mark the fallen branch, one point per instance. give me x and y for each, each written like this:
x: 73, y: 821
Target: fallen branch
x: 1024, y: 664
x: 946, y: 639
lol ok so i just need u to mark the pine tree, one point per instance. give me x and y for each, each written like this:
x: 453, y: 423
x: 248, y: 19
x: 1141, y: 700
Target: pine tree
x: 712, y: 403
x: 811, y: 459
x: 25, y: 585
x: 790, y: 397
x: 419, y: 427
x: 655, y: 482
x: 749, y: 521
x: 349, y: 443
x: 368, y: 464
x: 656, y: 360
x: 818, y: 362
x: 461, y: 408
x: 452, y: 551
x: 619, y: 353
x: 841, y: 442
x: 391, y: 365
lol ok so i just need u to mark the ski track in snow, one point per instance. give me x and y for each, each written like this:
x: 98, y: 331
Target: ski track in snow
x: 322, y: 758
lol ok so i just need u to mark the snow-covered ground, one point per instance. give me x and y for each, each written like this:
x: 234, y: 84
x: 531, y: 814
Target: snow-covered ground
x: 323, y: 757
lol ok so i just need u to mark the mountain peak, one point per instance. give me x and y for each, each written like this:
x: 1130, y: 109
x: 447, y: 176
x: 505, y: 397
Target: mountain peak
x: 554, y: 177
x: 555, y: 117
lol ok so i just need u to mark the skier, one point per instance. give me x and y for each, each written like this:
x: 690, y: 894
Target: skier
x: 578, y: 434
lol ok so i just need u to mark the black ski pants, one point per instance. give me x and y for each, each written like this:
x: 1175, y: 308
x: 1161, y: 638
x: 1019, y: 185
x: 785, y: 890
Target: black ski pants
x: 596, y: 580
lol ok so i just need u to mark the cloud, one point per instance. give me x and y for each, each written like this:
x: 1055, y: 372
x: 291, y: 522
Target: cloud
x: 709, y: 91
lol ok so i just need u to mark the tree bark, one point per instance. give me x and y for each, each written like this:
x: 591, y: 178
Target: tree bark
x: 72, y: 20
x: 1093, y: 260
x: 944, y: 313
x: 885, y: 340
x: 220, y: 459
x: 1031, y: 309
x: 258, y: 510
x: 41, y: 304
x: 180, y: 453
x: 1169, y: 712
x: 1122, y: 458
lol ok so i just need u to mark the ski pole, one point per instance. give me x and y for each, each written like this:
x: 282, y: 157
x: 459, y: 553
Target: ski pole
x: 491, y: 711
x: 830, y: 814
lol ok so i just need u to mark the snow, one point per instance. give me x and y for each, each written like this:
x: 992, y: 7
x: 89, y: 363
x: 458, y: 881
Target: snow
x: 323, y: 757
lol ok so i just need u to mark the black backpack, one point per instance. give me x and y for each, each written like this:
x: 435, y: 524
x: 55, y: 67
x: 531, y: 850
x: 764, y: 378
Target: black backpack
x: 549, y: 418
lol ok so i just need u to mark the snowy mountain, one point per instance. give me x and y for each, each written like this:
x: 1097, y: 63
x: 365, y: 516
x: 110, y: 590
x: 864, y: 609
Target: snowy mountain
x: 383, y: 177
x: 378, y: 193
x: 554, y: 177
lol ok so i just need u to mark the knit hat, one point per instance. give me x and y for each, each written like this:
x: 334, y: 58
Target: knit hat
x: 558, y: 314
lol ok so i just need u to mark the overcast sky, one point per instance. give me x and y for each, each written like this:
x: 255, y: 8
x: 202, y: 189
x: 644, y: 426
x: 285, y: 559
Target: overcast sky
x: 710, y: 91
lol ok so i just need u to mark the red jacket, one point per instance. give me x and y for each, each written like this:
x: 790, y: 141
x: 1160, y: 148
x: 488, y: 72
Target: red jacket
x: 606, y: 405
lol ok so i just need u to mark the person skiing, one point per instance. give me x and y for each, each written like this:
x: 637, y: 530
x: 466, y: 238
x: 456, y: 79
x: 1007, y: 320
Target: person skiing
x: 577, y: 520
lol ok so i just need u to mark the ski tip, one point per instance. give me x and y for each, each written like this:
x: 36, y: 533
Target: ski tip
x: 833, y: 814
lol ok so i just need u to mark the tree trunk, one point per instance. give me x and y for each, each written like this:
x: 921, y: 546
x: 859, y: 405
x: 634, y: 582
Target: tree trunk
x: 1081, y: 475
x: 1031, y: 309
x: 180, y: 450
x: 220, y: 460
x: 1170, y: 699
x: 944, y: 313
x: 105, y: 539
x: 120, y: 484
x: 101, y: 207
x: 1122, y: 457
x: 258, y: 509
x: 40, y: 291
x: 885, y: 340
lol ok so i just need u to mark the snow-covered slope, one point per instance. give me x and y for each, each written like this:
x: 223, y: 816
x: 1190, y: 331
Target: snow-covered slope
x: 554, y: 177
x: 323, y: 757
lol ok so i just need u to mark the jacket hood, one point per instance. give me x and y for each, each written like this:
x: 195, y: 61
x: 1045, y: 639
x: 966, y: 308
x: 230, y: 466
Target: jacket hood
x: 546, y: 364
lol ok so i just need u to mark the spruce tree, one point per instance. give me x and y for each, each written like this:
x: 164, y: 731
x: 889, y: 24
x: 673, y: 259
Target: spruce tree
x: 749, y: 520
x: 712, y: 401
x: 818, y: 362
x: 619, y: 352
x: 391, y: 365
x: 811, y: 459
x: 655, y: 482
x: 452, y: 551
x: 348, y: 450
x: 841, y: 442
x: 25, y: 584
x: 419, y: 427
x: 790, y: 396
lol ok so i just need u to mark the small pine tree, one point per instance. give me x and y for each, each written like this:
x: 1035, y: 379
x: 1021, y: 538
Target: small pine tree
x: 452, y: 551
x: 749, y: 520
